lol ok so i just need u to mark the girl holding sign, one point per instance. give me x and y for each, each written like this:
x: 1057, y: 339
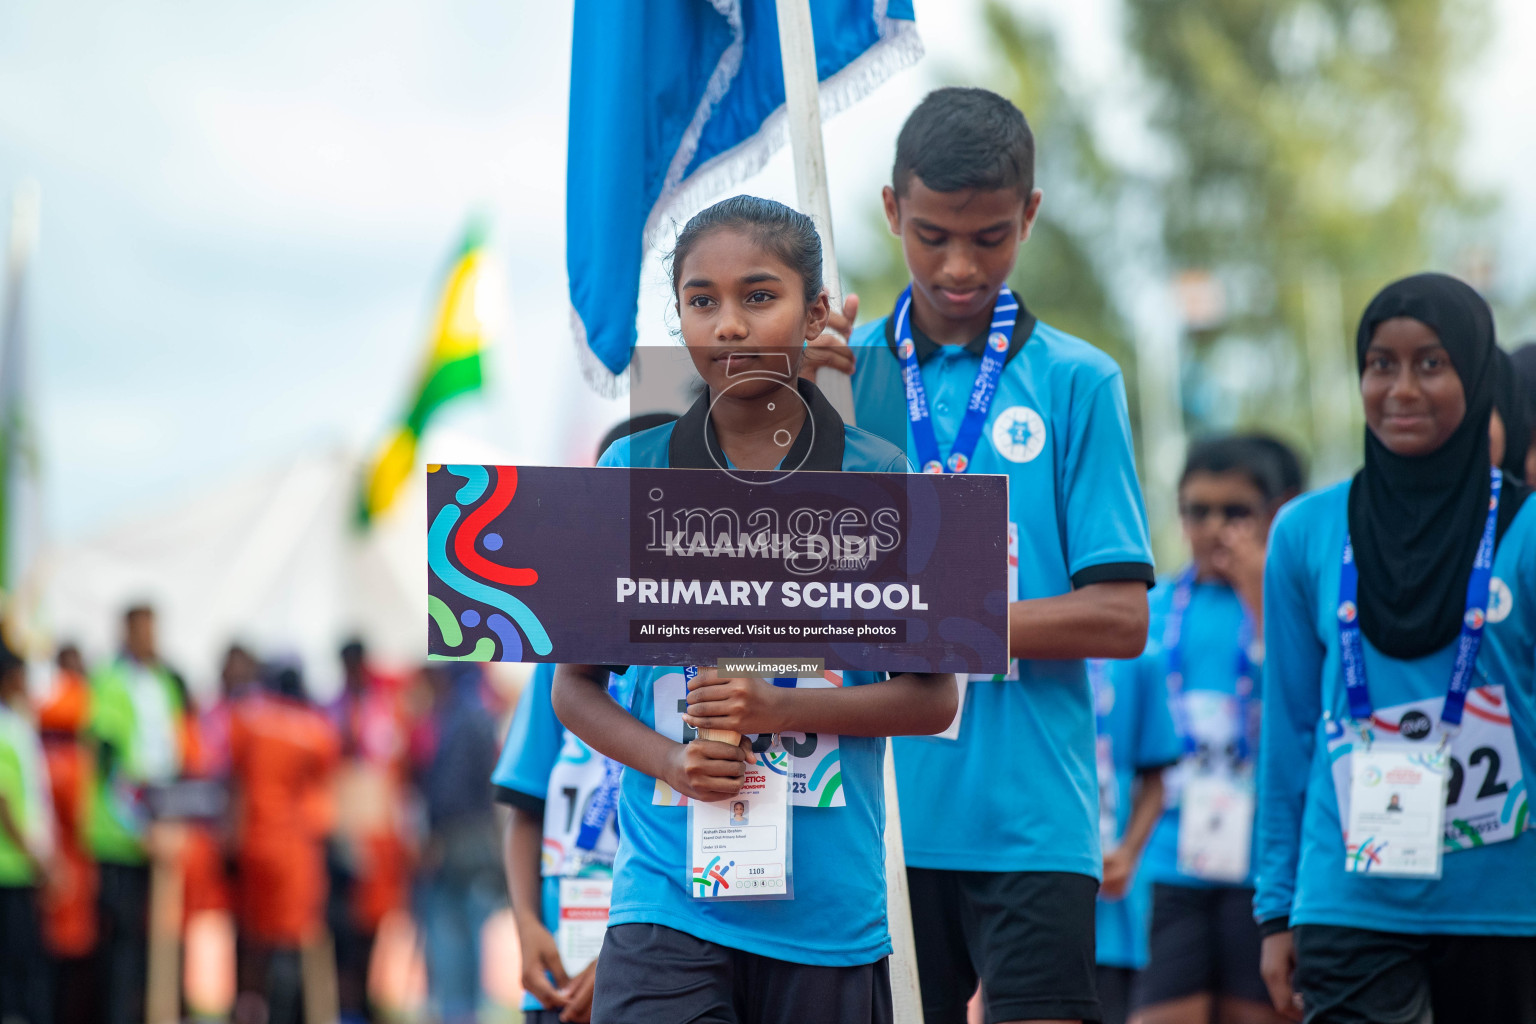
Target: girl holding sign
x: 681, y: 944
x: 1399, y: 616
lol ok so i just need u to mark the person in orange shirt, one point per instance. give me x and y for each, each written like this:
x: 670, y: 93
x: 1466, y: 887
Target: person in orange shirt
x: 208, y: 886
x: 283, y: 754
x: 69, y: 895
x: 371, y: 857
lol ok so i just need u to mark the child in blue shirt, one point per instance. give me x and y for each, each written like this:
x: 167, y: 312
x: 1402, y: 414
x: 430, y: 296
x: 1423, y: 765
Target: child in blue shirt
x: 747, y: 277
x: 1136, y: 742
x: 1206, y: 626
x: 1343, y: 942
x: 1000, y: 823
x: 548, y: 779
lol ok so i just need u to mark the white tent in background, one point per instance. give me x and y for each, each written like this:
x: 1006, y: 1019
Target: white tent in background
x: 271, y: 559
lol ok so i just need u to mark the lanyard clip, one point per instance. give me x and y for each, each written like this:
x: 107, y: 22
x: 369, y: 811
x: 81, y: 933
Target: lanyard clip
x: 1447, y: 734
x: 1367, y: 736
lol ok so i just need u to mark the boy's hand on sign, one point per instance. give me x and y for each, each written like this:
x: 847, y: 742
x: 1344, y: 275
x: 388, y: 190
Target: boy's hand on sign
x: 1118, y: 866
x: 707, y: 770
x: 831, y: 349
x: 578, y: 996
x: 745, y: 704
x: 541, y: 954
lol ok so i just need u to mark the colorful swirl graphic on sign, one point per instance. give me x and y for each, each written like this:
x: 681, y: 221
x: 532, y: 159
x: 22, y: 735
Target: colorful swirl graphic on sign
x: 454, y: 555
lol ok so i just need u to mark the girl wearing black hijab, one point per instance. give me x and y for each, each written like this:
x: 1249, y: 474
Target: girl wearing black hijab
x: 1400, y: 612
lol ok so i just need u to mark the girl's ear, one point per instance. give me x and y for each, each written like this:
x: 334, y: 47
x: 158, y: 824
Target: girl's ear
x: 817, y: 314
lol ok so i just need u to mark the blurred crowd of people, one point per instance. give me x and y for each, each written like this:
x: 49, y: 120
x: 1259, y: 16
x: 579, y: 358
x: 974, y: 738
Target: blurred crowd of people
x: 238, y: 857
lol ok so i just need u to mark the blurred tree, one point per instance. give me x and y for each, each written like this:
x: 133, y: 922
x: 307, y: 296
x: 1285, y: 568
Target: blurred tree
x: 1312, y: 158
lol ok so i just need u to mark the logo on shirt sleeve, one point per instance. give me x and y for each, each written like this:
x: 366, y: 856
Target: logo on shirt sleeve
x: 1018, y: 434
x: 1500, y: 600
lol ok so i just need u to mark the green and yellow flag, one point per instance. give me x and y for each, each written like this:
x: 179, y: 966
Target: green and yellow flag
x: 452, y: 368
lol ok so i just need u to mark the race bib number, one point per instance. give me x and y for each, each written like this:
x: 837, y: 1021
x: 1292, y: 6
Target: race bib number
x: 740, y: 848
x: 573, y: 781
x: 816, y: 778
x: 1485, y: 793
x: 584, y: 904
x: 1396, y: 811
x: 1216, y: 826
x: 1012, y: 674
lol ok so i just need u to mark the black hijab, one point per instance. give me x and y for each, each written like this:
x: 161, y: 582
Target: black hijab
x: 1515, y: 412
x: 1416, y: 521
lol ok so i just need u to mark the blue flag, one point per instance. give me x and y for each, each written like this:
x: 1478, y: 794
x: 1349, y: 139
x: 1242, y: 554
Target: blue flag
x: 674, y: 101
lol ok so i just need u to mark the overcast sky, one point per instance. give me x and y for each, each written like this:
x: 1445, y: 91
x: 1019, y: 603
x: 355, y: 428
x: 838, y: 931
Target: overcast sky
x: 245, y: 208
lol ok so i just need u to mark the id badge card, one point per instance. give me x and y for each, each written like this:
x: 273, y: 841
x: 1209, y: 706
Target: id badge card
x: 740, y: 848
x: 1396, y: 811
x: 1216, y: 826
x: 584, y: 904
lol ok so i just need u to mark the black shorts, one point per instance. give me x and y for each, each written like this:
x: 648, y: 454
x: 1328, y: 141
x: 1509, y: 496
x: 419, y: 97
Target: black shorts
x: 651, y: 973
x: 1203, y: 940
x: 24, y: 992
x: 1027, y: 935
x: 1355, y: 976
x: 1115, y: 993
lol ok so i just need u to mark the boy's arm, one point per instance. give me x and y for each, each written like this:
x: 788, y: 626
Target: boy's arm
x: 703, y: 769
x: 1100, y: 620
x: 911, y: 704
x: 1292, y: 707
x: 523, y: 851
x: 1146, y: 807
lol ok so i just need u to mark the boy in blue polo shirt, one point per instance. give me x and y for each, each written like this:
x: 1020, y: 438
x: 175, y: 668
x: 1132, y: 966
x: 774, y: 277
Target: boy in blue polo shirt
x: 747, y: 277
x: 1000, y: 823
x: 1136, y: 742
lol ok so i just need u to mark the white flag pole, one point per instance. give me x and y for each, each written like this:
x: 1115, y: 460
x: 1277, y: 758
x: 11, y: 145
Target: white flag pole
x: 802, y: 105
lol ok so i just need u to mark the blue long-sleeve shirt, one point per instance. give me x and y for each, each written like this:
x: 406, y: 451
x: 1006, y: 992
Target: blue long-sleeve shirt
x: 1301, y: 872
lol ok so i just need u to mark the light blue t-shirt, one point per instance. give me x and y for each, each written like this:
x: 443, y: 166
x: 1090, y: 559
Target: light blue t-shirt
x: 1017, y: 791
x: 837, y: 916
x: 1481, y: 891
x: 1134, y: 718
x: 1211, y: 627
x: 543, y: 764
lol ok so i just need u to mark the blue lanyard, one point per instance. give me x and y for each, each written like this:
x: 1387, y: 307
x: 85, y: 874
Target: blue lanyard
x: 605, y: 802
x: 999, y: 337
x: 1173, y: 643
x: 1352, y: 652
